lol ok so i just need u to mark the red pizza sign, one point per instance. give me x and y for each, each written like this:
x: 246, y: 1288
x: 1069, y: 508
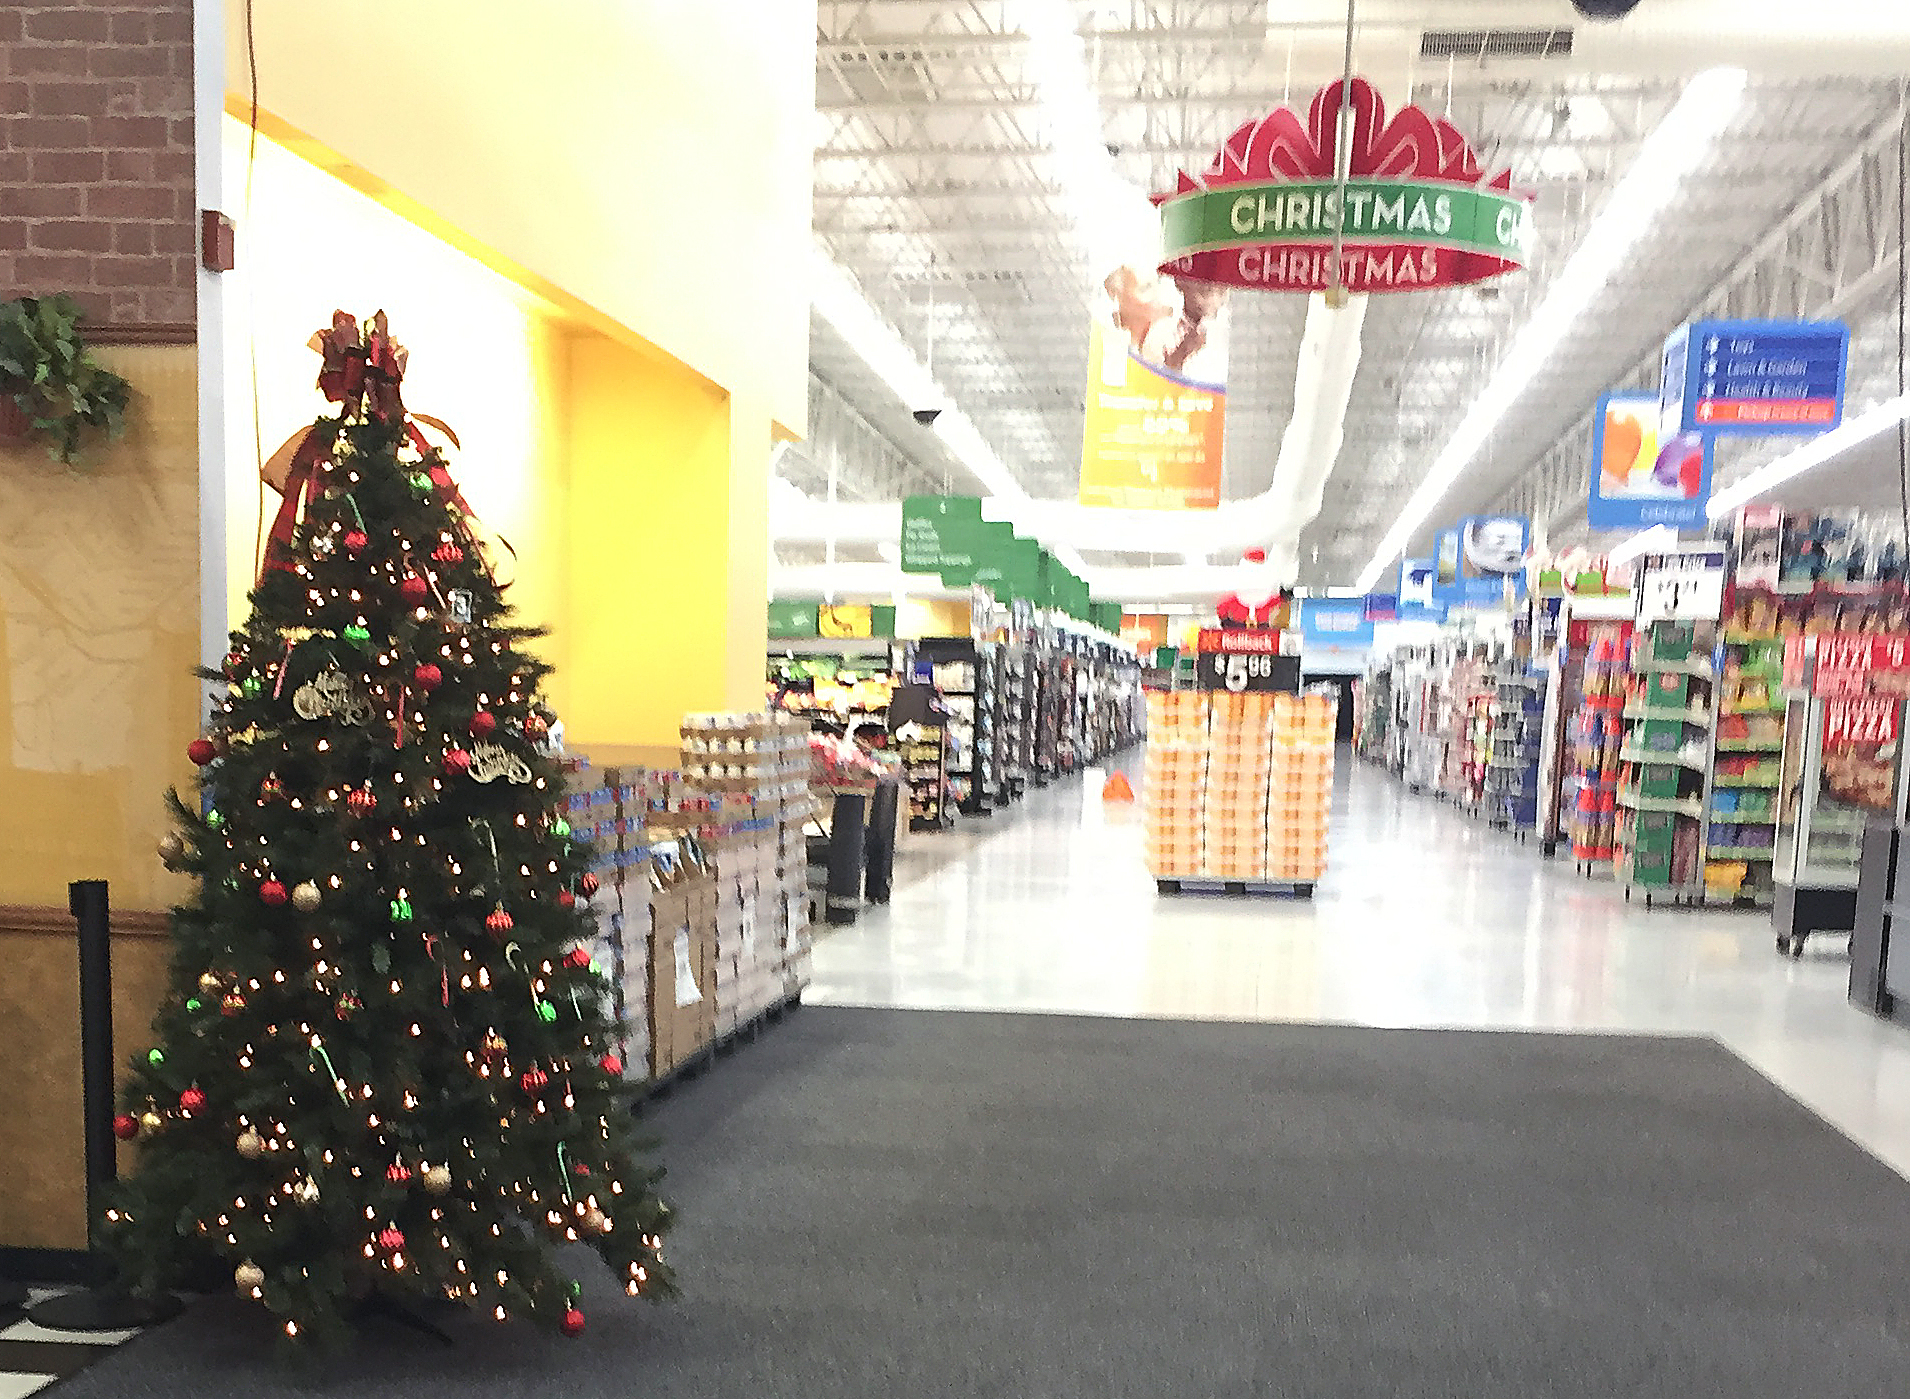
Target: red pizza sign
x: 1858, y: 665
x: 1853, y: 722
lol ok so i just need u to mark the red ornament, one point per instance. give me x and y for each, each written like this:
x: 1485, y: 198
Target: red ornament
x: 448, y: 554
x: 192, y: 1100
x: 580, y: 1169
x: 397, y: 1173
x: 234, y: 663
x: 587, y: 883
x: 355, y: 541
x: 125, y: 1127
x: 415, y: 589
x: 232, y: 1003
x: 440, y: 478
x: 456, y: 760
x: 348, y: 1005
x: 499, y: 921
x: 428, y: 676
x: 483, y: 724
x: 611, y: 1065
x: 390, y: 1238
x: 566, y: 899
x: 202, y: 751
x: 271, y: 789
x: 573, y: 1322
x: 361, y: 801
x: 576, y: 957
x: 533, y: 1080
x: 272, y: 893
x: 535, y: 729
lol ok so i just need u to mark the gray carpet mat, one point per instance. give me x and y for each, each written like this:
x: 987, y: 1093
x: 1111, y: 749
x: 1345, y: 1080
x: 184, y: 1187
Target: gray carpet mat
x: 896, y: 1203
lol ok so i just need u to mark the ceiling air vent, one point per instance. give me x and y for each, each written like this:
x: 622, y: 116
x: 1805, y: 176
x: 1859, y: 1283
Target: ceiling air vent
x: 1495, y: 43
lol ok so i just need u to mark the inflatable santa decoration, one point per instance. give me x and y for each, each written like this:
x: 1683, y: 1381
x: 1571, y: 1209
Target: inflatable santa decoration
x: 1256, y: 599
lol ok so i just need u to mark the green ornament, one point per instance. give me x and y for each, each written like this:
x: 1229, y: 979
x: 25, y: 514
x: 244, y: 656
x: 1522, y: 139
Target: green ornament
x: 215, y: 818
x: 596, y: 967
x: 195, y: 1005
x: 560, y: 827
x: 401, y: 910
x: 155, y: 1057
x: 421, y: 485
x: 546, y: 1012
x: 357, y: 635
x: 251, y: 686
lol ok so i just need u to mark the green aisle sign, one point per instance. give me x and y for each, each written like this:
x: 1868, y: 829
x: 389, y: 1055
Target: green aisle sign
x: 790, y: 621
x: 941, y: 534
x: 1106, y: 616
x: 992, y: 557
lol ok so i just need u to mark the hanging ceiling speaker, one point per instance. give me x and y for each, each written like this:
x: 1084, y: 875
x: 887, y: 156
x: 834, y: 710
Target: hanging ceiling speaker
x: 1605, y: 9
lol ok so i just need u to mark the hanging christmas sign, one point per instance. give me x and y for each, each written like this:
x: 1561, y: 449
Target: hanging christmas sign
x: 1414, y: 211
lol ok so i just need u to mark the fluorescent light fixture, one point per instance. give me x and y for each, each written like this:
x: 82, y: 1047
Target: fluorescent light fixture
x: 1860, y: 429
x: 1657, y: 537
x: 839, y: 301
x: 1115, y: 220
x: 1671, y: 152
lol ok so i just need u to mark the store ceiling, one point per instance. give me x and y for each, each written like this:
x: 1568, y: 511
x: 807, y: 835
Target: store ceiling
x: 938, y: 187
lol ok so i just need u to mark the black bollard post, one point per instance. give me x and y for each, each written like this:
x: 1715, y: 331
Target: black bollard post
x: 107, y: 1306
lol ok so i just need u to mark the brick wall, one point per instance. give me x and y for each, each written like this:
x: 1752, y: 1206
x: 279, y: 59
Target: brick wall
x: 96, y: 178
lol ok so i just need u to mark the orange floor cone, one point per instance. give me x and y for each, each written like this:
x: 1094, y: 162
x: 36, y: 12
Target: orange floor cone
x: 1115, y: 789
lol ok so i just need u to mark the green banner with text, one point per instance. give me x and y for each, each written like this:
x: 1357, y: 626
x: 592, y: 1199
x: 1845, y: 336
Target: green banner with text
x: 942, y: 534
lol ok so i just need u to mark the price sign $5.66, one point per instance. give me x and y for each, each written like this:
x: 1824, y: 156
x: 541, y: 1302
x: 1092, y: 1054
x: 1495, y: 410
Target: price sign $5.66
x: 1250, y: 671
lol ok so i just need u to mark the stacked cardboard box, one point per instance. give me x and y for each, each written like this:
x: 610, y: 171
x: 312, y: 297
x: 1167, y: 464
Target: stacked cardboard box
x: 1238, y: 785
x: 599, y: 805
x: 1239, y: 759
x: 752, y: 770
x: 1174, y: 781
x: 1301, y: 787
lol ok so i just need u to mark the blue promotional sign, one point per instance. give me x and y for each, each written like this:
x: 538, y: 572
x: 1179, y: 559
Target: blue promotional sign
x: 1334, y: 634
x: 1637, y: 479
x: 1418, y: 579
x: 1480, y: 559
x: 1334, y: 621
x: 1448, y: 590
x: 1755, y: 376
x: 1382, y: 607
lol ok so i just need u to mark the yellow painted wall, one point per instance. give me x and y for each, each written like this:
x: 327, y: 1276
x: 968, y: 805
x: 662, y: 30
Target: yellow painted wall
x: 98, y: 639
x: 932, y: 616
x: 658, y: 483
x: 487, y: 357
x: 648, y: 158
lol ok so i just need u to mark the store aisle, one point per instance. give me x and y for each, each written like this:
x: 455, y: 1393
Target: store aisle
x: 1425, y: 918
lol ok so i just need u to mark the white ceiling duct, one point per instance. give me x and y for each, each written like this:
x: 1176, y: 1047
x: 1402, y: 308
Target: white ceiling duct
x: 1329, y: 356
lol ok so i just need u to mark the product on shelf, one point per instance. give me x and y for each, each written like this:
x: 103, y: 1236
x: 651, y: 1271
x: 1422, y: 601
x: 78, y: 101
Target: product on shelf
x: 1597, y: 736
x: 1512, y: 770
x: 1669, y: 715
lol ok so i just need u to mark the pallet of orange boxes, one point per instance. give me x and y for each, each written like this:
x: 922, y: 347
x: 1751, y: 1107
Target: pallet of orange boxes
x: 1236, y: 790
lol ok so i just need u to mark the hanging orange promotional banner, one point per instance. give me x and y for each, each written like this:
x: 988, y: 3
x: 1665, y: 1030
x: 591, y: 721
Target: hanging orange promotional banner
x: 1157, y: 395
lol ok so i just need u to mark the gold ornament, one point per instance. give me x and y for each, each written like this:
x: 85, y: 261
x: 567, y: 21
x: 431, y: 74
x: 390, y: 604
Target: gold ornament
x: 209, y: 982
x: 306, y: 1191
x: 172, y: 849
x: 596, y: 1220
x: 248, y: 1275
x: 437, y: 1179
x: 305, y: 897
x: 150, y: 1122
x: 330, y: 694
x: 251, y: 1145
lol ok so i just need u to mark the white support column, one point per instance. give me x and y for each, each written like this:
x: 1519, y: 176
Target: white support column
x: 208, y: 109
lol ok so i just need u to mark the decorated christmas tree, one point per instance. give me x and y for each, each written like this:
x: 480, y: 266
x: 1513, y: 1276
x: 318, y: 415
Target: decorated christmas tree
x: 385, y: 1068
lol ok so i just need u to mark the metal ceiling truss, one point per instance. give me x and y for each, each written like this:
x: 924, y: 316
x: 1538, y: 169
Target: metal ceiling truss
x: 1834, y: 256
x: 866, y: 463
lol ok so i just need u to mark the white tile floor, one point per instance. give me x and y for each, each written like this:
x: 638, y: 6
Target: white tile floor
x: 1425, y: 918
